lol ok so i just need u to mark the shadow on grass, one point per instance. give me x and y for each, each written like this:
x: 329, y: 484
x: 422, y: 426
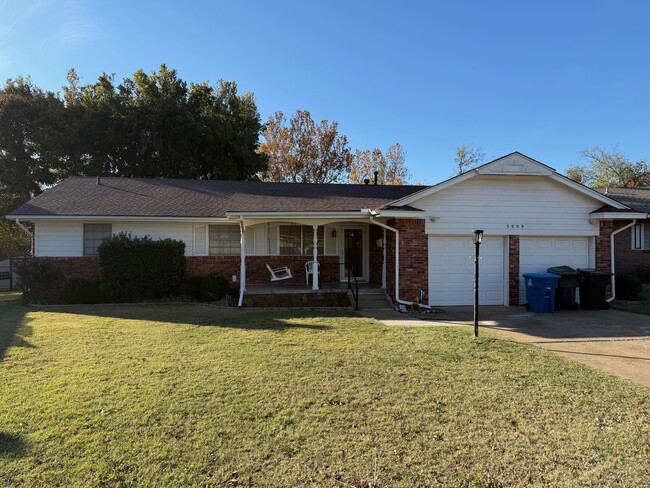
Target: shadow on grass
x: 14, y: 327
x: 12, y: 445
x: 206, y: 316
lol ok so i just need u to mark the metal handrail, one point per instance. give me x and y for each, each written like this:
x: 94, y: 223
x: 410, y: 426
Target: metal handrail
x: 355, y: 291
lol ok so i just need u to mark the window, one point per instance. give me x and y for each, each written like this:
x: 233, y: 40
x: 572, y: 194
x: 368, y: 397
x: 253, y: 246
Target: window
x: 94, y: 234
x: 296, y: 240
x: 224, y: 240
x: 641, y: 237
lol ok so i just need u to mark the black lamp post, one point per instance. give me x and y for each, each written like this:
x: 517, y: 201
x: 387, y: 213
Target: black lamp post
x: 477, y: 237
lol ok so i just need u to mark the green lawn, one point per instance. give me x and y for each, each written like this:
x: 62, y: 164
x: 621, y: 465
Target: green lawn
x: 8, y: 296
x: 642, y: 307
x: 190, y: 395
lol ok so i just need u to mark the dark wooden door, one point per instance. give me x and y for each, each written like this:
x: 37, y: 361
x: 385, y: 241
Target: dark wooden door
x: 353, y: 249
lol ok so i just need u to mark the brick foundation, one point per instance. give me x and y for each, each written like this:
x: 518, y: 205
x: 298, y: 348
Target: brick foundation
x: 413, y: 260
x: 513, y: 270
x: 376, y: 255
x: 314, y: 299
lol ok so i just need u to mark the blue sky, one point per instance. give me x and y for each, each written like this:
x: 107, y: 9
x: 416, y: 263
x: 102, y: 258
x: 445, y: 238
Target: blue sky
x: 547, y: 78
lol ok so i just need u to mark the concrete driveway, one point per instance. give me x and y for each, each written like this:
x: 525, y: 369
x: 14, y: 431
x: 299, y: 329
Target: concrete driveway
x: 611, y: 340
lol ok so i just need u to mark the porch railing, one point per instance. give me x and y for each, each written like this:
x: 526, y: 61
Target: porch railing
x: 352, y: 275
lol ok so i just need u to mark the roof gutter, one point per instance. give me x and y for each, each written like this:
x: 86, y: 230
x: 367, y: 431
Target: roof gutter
x: 373, y: 214
x: 613, y: 263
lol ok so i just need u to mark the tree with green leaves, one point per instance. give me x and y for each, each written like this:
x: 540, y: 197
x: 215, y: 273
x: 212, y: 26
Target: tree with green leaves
x: 391, y: 167
x: 304, y: 151
x: 606, y: 168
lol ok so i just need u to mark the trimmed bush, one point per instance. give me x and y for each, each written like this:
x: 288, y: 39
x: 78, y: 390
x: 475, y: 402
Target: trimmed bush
x: 137, y: 268
x: 38, y: 279
x: 628, y: 287
x: 643, y: 274
x: 81, y: 290
x: 210, y: 287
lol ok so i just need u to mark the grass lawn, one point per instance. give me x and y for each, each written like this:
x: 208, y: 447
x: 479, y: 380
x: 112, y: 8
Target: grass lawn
x: 642, y: 307
x: 8, y: 296
x: 188, y: 395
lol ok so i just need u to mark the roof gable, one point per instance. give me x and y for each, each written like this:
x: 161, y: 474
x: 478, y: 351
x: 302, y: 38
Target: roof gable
x: 514, y: 164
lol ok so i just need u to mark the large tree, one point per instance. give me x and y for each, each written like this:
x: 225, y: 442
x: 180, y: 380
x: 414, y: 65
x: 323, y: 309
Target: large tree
x: 467, y: 157
x: 304, y: 151
x: 30, y: 136
x: 391, y: 166
x: 155, y: 125
x: 605, y: 168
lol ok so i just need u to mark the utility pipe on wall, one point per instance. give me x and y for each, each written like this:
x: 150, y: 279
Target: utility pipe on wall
x: 612, y: 263
x: 392, y: 229
x: 28, y: 232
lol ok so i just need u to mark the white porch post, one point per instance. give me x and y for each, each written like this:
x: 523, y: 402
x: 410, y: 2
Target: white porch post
x: 242, y: 266
x: 316, y: 265
x: 383, y: 263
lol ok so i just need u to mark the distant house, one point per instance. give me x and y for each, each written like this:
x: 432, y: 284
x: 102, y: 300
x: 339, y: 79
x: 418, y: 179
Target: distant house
x: 414, y: 241
x: 5, y: 275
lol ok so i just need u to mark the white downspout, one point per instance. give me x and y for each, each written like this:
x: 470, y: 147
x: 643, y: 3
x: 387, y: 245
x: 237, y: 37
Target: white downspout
x: 242, y: 266
x: 392, y: 229
x: 28, y: 232
x: 383, y: 263
x: 613, y: 265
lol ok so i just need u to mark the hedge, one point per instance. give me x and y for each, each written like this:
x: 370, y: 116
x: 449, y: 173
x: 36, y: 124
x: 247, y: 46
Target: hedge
x: 136, y: 268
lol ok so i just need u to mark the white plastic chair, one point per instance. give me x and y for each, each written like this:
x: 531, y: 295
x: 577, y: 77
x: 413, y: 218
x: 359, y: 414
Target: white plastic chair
x: 279, y: 274
x: 309, y: 270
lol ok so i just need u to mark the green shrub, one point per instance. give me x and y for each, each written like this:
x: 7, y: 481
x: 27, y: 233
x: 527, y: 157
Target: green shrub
x: 643, y: 274
x: 81, y: 290
x: 37, y: 278
x: 136, y: 268
x: 628, y: 287
x: 210, y: 287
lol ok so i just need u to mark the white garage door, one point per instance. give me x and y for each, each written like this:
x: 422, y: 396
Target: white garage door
x: 451, y: 271
x: 537, y: 254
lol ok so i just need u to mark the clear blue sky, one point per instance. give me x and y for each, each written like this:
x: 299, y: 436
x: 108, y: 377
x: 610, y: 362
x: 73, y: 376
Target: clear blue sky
x: 547, y: 78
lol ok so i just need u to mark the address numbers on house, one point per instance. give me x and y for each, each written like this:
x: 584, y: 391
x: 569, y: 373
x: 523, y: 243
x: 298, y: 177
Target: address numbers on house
x: 514, y: 226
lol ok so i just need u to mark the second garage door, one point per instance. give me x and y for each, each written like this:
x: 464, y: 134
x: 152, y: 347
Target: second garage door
x: 451, y: 271
x: 537, y: 254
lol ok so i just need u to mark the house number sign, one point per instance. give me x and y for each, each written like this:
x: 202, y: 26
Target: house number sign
x: 514, y: 226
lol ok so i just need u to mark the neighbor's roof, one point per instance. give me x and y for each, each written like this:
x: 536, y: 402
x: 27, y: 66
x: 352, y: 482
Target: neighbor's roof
x: 637, y: 198
x: 150, y: 197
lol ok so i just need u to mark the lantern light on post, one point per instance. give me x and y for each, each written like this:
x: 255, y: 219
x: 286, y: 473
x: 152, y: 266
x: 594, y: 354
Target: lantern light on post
x: 477, y: 237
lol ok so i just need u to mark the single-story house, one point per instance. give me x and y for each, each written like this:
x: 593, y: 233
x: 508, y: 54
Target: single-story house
x: 413, y: 241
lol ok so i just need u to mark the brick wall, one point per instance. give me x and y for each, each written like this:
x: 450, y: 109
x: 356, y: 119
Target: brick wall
x: 513, y: 270
x: 628, y: 259
x: 413, y: 260
x: 317, y: 299
x: 603, y: 252
x: 82, y: 266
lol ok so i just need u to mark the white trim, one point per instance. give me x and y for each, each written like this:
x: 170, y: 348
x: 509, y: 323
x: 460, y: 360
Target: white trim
x: 119, y: 218
x: 617, y: 215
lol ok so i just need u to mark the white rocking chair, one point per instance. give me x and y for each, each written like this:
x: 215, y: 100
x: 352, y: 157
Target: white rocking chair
x: 279, y: 274
x: 309, y: 270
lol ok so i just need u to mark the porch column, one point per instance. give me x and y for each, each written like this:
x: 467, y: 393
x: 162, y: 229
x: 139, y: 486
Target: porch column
x: 242, y: 266
x: 316, y: 265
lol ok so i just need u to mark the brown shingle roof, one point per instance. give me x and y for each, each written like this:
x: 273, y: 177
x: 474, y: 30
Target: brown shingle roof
x: 637, y: 198
x: 147, y: 197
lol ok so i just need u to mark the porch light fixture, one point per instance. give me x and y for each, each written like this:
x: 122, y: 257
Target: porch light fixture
x: 477, y: 237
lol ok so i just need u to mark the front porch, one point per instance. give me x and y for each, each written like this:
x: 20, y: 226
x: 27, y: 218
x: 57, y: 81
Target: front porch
x: 295, y: 295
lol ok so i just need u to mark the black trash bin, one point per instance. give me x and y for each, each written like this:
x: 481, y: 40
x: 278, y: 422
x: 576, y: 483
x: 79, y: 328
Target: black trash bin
x: 593, y: 289
x: 565, y: 294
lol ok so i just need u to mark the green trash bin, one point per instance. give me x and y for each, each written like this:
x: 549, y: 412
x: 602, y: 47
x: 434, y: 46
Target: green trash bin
x: 565, y: 294
x: 593, y: 289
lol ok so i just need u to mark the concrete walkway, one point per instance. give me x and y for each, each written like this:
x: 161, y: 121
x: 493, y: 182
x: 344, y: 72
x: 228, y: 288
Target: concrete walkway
x: 611, y: 340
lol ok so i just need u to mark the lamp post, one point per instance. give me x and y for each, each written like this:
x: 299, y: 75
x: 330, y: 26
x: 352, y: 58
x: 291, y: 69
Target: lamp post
x: 477, y: 237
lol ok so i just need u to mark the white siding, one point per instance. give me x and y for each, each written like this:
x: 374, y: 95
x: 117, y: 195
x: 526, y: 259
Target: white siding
x: 537, y: 204
x: 182, y: 231
x: 59, y: 239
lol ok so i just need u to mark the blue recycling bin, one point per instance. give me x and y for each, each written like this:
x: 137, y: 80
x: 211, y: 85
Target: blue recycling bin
x: 540, y: 291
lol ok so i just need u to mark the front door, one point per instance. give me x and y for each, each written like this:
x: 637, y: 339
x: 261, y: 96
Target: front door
x: 353, y: 252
